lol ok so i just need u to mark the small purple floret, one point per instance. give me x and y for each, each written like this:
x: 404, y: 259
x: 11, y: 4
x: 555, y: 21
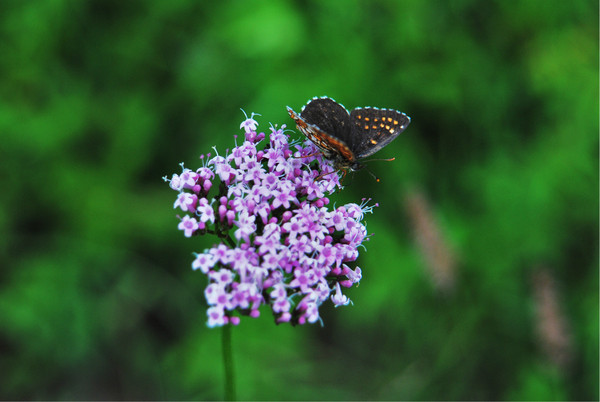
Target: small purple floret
x: 281, y: 245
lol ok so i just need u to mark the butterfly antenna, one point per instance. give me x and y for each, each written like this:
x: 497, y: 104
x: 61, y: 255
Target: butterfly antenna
x: 375, y: 160
x: 380, y: 160
x: 377, y: 179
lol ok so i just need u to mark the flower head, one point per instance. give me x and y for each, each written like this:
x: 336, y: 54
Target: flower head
x: 280, y: 244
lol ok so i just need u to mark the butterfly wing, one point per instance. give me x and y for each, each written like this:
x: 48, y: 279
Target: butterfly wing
x: 331, y: 146
x: 373, y: 128
x: 331, y: 117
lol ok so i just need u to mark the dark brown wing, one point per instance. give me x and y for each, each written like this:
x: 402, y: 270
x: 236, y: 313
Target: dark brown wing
x: 373, y: 128
x: 331, y: 146
x: 328, y: 115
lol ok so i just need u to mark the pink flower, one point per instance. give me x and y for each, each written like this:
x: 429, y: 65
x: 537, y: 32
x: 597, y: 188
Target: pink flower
x: 279, y: 244
x: 188, y: 225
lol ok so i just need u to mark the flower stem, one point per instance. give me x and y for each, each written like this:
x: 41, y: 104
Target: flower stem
x: 228, y: 363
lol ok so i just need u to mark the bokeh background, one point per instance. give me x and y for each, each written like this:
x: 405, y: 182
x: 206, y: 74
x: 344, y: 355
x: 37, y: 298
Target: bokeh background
x: 481, y: 278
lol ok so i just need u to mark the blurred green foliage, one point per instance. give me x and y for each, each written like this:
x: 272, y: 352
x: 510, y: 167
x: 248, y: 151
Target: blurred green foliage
x: 100, y: 99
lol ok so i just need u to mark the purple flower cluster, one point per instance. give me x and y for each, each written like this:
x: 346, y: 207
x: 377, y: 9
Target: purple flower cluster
x: 279, y: 243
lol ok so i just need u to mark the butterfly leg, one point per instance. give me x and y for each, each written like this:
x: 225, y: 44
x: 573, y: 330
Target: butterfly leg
x: 311, y: 155
x: 319, y: 177
x: 344, y: 171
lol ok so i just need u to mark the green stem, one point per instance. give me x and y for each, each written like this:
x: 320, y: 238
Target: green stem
x: 230, y: 241
x: 228, y: 363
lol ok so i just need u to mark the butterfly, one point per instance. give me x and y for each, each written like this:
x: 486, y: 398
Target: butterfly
x: 347, y: 138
